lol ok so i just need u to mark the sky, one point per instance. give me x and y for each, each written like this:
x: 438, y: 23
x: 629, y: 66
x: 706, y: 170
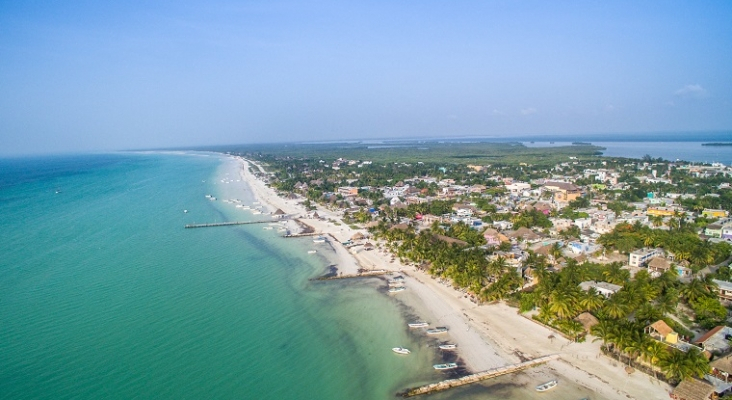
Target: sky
x: 78, y: 76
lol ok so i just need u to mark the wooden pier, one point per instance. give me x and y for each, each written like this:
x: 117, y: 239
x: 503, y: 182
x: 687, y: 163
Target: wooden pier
x: 364, y: 274
x: 468, y: 379
x: 214, y: 224
x: 296, y: 235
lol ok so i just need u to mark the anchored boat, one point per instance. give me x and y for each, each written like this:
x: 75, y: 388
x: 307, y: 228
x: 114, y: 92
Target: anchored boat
x: 447, y: 346
x: 400, y: 350
x: 546, y: 386
x: 445, y: 366
x: 418, y: 324
x: 438, y: 330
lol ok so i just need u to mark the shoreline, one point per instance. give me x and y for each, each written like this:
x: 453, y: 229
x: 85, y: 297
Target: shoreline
x: 487, y: 336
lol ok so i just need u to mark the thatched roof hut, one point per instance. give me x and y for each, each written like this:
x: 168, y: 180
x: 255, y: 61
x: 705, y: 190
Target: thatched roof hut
x: 693, y: 389
x: 587, y: 320
x: 450, y: 240
x: 358, y: 236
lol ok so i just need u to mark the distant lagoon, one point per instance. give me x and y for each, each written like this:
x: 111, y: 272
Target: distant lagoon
x: 672, y: 151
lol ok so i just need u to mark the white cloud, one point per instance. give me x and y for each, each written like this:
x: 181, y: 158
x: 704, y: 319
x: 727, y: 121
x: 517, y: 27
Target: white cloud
x: 692, y: 91
x: 498, y: 112
x: 609, y: 108
x: 528, y: 111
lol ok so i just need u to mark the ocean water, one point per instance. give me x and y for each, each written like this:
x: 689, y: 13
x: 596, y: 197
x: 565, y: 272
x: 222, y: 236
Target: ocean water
x: 103, y: 294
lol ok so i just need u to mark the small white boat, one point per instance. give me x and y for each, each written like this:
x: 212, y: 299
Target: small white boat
x: 445, y: 366
x: 436, y: 331
x: 267, y: 228
x: 400, y: 350
x: 397, y: 289
x: 185, y: 211
x: 256, y: 212
x: 312, y: 251
x: 447, y: 346
x: 319, y: 239
x: 418, y: 324
x: 547, y: 385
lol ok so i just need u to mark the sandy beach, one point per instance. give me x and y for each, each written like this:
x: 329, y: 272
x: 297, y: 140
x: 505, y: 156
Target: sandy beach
x: 487, y: 336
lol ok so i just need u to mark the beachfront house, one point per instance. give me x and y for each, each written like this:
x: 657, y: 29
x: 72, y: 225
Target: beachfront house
x: 604, y: 288
x: 693, y: 389
x: 715, y: 341
x: 721, y: 374
x: 660, y: 331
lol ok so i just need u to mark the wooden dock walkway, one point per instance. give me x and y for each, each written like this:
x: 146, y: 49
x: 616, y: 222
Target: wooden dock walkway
x: 359, y: 275
x: 468, y: 379
x: 214, y: 224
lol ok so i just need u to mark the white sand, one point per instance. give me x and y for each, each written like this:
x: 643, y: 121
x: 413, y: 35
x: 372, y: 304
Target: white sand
x: 487, y: 336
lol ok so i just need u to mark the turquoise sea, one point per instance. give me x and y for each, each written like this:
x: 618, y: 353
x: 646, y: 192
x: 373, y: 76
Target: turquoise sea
x: 103, y: 294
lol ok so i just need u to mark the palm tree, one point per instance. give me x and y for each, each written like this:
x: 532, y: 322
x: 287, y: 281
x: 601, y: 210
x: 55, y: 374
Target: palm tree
x: 603, y: 330
x: 615, y: 308
x: 591, y: 300
x: 562, y: 304
x: 694, y: 290
x: 653, y: 351
x: 676, y: 365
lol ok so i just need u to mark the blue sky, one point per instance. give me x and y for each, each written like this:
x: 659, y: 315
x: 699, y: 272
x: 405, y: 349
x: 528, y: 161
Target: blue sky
x: 88, y: 76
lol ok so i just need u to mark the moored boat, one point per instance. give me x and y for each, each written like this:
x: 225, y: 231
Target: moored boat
x: 319, y: 239
x: 445, y: 366
x: 400, y: 350
x: 447, y: 346
x: 547, y: 385
x: 397, y: 289
x: 437, y: 330
x: 418, y: 324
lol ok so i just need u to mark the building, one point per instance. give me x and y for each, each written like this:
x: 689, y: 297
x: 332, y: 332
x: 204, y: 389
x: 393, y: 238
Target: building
x: 517, y: 188
x: 661, y: 211
x: 692, y: 389
x: 713, y: 230
x: 348, y: 191
x: 710, y: 213
x: 604, y: 288
x: 563, y: 191
x: 640, y: 257
x: 724, y: 290
x: 727, y: 232
x: 660, y: 331
x: 715, y: 340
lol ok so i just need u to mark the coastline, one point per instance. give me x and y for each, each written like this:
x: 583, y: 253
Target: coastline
x: 487, y: 336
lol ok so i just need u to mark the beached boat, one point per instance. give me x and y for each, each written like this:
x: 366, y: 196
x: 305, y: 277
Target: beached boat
x: 437, y: 330
x: 547, y: 385
x: 400, y: 350
x: 447, y: 346
x: 445, y: 366
x: 397, y: 289
x: 418, y: 324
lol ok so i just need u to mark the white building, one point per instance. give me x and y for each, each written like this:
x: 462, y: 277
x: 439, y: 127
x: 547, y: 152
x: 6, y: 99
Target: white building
x: 640, y: 257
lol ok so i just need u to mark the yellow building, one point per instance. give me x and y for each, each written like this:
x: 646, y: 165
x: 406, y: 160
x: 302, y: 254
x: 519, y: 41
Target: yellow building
x: 662, y: 211
x: 709, y: 213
